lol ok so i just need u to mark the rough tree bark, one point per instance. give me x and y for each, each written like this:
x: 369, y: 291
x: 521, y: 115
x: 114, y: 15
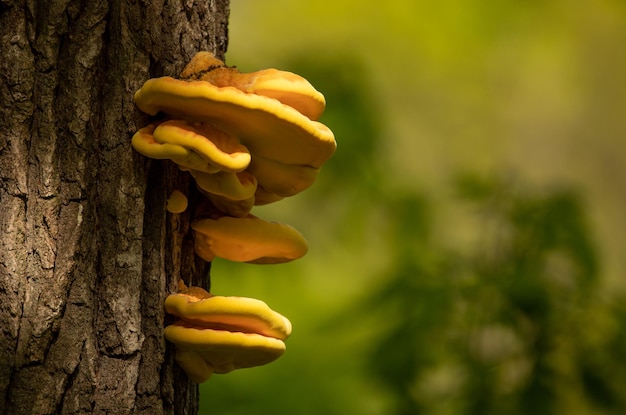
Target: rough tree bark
x: 88, y: 252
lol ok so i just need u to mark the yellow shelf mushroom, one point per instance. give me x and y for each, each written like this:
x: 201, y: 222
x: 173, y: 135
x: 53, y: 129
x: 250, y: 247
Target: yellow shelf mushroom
x: 286, y: 87
x: 226, y: 121
x: 217, y: 334
x: 247, y: 139
x: 247, y: 239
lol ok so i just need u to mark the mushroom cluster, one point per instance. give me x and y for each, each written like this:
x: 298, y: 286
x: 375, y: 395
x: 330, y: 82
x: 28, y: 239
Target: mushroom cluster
x: 216, y: 334
x: 247, y: 139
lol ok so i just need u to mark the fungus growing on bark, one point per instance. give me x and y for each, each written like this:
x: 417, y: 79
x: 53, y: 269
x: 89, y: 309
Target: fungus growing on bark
x: 217, y: 334
x: 221, y: 150
x: 274, y: 130
x: 143, y: 142
x: 177, y: 202
x: 287, y: 147
x: 247, y: 239
x: 247, y: 139
x: 286, y: 87
x: 233, y: 186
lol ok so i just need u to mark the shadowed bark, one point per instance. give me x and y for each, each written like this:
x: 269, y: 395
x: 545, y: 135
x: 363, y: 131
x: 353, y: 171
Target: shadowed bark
x: 88, y: 252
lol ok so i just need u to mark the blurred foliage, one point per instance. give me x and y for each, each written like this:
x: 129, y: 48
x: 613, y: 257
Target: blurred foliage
x: 425, y: 292
x: 513, y: 325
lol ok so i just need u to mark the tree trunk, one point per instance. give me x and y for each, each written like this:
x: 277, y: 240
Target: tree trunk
x: 88, y: 252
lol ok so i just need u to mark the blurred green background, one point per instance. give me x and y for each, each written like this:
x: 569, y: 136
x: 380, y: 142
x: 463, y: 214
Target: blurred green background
x: 467, y: 240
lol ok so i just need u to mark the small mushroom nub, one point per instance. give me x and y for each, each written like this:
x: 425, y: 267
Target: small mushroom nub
x: 177, y: 202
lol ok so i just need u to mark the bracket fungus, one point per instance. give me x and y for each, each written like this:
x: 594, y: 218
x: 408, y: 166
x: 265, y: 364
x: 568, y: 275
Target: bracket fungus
x: 217, y: 334
x: 247, y: 239
x: 224, y: 120
x: 246, y: 139
x: 286, y: 87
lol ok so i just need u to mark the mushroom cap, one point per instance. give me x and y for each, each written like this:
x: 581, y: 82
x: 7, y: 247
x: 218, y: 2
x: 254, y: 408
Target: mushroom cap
x: 197, y: 369
x: 269, y: 114
x: 217, y: 334
x: 281, y: 179
x: 177, y: 202
x: 202, y: 63
x: 233, y: 186
x: 241, y: 314
x: 264, y: 125
x: 217, y: 147
x: 287, y: 87
x: 143, y: 142
x: 201, y: 352
x: 247, y: 239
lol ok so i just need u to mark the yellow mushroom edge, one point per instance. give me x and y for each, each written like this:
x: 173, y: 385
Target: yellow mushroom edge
x: 247, y: 239
x: 218, y: 334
